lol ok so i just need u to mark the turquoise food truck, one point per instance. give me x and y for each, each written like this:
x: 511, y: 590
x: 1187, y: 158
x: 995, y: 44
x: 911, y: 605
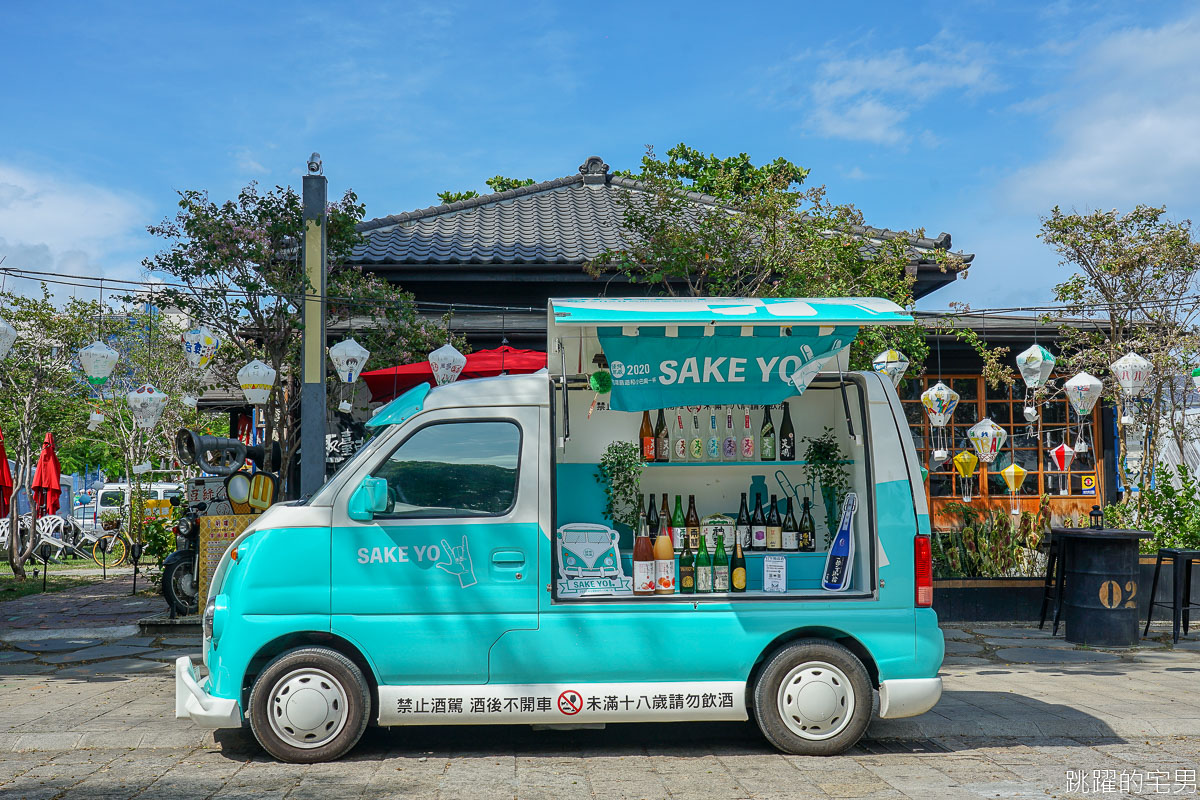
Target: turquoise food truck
x: 460, y: 569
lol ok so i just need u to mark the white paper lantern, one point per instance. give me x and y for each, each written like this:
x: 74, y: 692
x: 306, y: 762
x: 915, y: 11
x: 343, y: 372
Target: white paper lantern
x: 147, y: 404
x: 892, y: 363
x: 1132, y: 372
x: 447, y: 363
x: 98, y: 361
x: 1083, y: 391
x: 1036, y: 363
x: 348, y: 357
x: 256, y: 379
x: 199, y: 346
x: 988, y: 438
x: 8, y: 335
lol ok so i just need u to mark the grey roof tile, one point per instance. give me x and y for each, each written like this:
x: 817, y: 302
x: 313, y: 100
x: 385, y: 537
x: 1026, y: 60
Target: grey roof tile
x: 569, y: 220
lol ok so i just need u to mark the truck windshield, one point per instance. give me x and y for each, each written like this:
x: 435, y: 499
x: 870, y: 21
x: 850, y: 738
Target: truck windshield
x: 349, y: 463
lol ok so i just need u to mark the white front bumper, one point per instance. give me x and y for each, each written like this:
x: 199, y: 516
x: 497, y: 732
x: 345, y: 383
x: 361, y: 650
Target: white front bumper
x: 908, y: 697
x: 194, y: 703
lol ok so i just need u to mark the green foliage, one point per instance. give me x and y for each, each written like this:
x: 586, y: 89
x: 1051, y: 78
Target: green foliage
x: 1170, y: 512
x: 825, y: 471
x: 991, y: 544
x: 497, y: 184
x: 620, y: 474
x: 159, y: 537
x: 239, y: 263
x: 767, y: 237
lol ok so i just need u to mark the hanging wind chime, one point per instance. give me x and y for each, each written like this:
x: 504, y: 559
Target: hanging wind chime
x: 1083, y: 391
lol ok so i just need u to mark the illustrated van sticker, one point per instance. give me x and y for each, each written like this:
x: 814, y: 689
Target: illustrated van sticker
x: 458, y: 563
x: 589, y: 562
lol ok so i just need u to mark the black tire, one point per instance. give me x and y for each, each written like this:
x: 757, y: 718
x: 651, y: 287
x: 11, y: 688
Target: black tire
x: 176, y: 578
x: 309, y: 669
x: 825, y: 680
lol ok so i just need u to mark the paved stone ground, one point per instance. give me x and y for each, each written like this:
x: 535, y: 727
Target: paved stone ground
x: 86, y: 711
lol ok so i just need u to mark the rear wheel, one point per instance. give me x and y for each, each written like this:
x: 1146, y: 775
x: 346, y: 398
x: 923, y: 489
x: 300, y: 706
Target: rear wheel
x: 310, y: 704
x: 180, y: 587
x: 813, y: 698
x: 110, y: 550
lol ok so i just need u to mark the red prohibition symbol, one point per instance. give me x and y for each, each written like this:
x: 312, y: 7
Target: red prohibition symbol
x: 570, y: 702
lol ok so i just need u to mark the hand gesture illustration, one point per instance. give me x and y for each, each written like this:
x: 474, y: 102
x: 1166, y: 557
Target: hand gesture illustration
x: 458, y: 562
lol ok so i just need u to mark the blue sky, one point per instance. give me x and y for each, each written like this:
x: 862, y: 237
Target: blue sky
x: 967, y: 117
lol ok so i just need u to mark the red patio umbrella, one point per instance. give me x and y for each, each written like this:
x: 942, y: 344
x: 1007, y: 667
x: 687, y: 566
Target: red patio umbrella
x: 388, y: 382
x: 47, y: 484
x: 6, y: 484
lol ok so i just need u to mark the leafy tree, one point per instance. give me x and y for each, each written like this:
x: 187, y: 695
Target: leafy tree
x: 767, y: 237
x: 499, y: 183
x: 1136, y: 280
x: 40, y: 390
x: 236, y: 267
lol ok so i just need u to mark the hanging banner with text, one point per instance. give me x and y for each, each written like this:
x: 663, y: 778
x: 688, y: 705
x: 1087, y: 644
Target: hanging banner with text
x: 652, y: 370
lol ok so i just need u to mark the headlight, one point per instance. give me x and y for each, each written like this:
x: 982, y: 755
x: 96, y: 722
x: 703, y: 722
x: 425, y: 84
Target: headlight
x: 210, y: 611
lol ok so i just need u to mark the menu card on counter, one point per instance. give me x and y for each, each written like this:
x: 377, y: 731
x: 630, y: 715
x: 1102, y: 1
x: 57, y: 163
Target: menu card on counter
x: 775, y: 573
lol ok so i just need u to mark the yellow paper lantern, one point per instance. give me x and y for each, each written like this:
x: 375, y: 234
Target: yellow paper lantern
x: 965, y: 464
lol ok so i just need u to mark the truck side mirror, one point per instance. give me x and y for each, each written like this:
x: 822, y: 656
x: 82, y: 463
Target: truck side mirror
x: 368, y: 499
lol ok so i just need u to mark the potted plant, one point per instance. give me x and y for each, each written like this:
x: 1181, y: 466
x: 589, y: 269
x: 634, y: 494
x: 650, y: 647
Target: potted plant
x: 110, y: 520
x: 620, y: 474
x: 825, y: 467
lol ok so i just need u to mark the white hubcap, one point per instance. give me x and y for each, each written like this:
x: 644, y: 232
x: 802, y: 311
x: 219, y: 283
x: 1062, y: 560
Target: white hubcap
x: 307, y: 707
x: 816, y: 700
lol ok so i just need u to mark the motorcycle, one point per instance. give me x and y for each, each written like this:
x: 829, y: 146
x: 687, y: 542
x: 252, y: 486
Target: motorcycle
x: 181, y: 569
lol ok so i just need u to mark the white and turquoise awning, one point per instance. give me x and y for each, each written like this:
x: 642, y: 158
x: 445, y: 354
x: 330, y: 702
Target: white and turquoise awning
x: 824, y: 311
x: 676, y: 351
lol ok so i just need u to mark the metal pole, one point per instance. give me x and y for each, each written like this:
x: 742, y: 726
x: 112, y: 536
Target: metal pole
x: 312, y: 390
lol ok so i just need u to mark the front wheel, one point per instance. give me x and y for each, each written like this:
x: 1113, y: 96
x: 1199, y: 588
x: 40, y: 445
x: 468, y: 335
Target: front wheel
x: 310, y: 704
x: 180, y: 586
x: 813, y: 698
x: 110, y: 549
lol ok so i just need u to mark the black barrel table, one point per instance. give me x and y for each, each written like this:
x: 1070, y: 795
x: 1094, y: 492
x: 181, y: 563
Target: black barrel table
x: 1100, y: 606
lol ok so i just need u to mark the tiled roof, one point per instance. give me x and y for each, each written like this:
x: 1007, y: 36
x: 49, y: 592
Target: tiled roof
x: 568, y: 220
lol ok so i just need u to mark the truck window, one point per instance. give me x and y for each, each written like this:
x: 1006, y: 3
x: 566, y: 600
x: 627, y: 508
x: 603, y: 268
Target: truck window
x: 454, y: 469
x: 112, y: 499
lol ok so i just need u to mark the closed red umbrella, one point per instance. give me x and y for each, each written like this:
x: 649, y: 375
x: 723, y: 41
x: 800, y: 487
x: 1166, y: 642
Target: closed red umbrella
x: 47, y: 483
x: 6, y: 484
x: 388, y: 382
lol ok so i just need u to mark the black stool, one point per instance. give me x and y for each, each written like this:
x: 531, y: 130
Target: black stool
x: 1052, y: 587
x: 1181, y: 573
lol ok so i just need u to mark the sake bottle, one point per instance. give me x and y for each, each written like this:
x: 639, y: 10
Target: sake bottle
x: 729, y: 444
x: 692, y: 520
x: 687, y: 570
x: 679, y: 443
x: 664, y: 521
x: 747, y: 452
x: 737, y: 569
x: 652, y: 521
x: 679, y: 523
x: 791, y: 531
x: 662, y: 443
x: 741, y: 529
x: 758, y: 526
x: 646, y: 436
x: 787, y: 435
x: 696, y: 444
x: 774, y: 526
x: 713, y: 448
x: 766, y: 437
x: 808, y: 530
x: 704, y: 572
x: 720, y: 565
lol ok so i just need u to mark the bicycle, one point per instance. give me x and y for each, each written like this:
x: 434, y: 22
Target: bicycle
x: 111, y: 549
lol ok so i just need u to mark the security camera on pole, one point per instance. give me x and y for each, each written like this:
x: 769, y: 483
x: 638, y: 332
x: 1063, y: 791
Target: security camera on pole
x: 312, y: 390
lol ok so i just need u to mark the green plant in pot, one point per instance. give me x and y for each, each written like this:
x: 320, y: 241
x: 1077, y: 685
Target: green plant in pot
x: 111, y: 520
x: 825, y: 467
x: 620, y: 474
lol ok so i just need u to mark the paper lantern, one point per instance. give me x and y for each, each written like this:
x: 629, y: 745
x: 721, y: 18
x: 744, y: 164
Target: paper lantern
x: 892, y: 363
x: 1030, y: 413
x: 98, y: 361
x: 199, y: 346
x: 348, y: 357
x: 1036, y: 363
x: 964, y: 464
x: 940, y: 401
x: 8, y: 335
x: 1196, y: 377
x: 256, y: 379
x: 1062, y: 456
x: 1014, y: 476
x: 1132, y: 372
x: 147, y: 404
x: 1083, y: 391
x: 447, y: 363
x: 988, y: 438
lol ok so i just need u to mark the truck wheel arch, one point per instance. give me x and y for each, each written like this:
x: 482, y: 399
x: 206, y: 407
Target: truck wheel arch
x: 812, y: 632
x: 296, y: 639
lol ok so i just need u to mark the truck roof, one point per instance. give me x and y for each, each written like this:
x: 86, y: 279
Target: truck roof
x: 516, y: 390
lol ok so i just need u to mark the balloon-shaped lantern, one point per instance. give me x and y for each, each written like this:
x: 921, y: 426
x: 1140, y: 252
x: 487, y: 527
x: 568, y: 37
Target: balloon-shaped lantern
x: 940, y: 401
x: 98, y: 361
x: 1083, y: 391
x: 988, y: 438
x: 147, y: 404
x: 256, y: 379
x: 199, y: 346
x: 348, y: 357
x: 1036, y: 363
x: 892, y: 363
x: 1014, y: 476
x: 1132, y: 372
x: 8, y: 335
x: 964, y: 464
x: 1061, y: 457
x: 447, y: 363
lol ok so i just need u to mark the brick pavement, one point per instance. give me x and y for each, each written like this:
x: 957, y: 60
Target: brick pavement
x: 94, y: 726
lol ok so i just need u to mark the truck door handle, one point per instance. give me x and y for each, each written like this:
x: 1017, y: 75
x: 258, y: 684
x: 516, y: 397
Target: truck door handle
x: 514, y: 557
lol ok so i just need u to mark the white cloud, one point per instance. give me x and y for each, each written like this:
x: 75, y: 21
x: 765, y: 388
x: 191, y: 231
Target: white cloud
x: 871, y: 98
x: 1125, y: 128
x: 70, y: 227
